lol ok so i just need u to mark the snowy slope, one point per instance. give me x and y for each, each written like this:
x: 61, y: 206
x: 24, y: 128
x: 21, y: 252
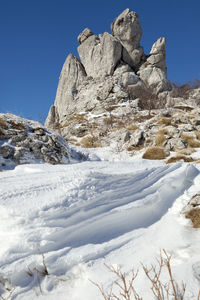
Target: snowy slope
x: 83, y: 215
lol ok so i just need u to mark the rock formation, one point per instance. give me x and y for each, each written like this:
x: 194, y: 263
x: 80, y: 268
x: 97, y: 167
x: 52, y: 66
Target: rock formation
x: 112, y: 69
x: 24, y: 141
x: 102, y: 97
x: 127, y: 29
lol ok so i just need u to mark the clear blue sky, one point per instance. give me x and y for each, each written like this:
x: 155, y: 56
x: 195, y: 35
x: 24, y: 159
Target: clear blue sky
x: 37, y: 35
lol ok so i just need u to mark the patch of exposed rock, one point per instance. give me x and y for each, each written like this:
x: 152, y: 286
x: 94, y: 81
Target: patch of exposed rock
x: 192, y: 210
x: 24, y: 141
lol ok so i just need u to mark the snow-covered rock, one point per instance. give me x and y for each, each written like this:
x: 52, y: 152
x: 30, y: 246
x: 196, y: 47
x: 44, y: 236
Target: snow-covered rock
x: 24, y: 141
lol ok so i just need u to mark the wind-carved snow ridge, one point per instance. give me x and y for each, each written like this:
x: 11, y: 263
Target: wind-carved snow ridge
x: 84, y: 214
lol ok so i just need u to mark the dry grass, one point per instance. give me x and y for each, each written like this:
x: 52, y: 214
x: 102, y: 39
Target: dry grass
x: 187, y: 151
x: 3, y: 124
x: 185, y: 108
x: 90, y: 142
x: 78, y: 117
x: 194, y: 216
x: 191, y: 142
x: 142, y: 118
x: 132, y: 127
x: 18, y: 126
x: 164, y: 121
x: 155, y: 153
x: 163, y: 131
x: 66, y: 124
x: 160, y: 139
x: 109, y: 121
x: 137, y: 148
x: 197, y: 134
x: 178, y: 158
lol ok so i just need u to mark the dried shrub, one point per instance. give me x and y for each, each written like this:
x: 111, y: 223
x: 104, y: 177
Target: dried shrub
x: 136, y: 148
x: 160, y: 289
x: 194, y: 216
x: 142, y: 118
x: 191, y: 142
x: 184, y: 108
x: 155, y: 153
x: 18, y: 126
x: 123, y: 283
x: 132, y: 127
x: 181, y: 91
x: 72, y: 140
x: 187, y: 151
x: 178, y: 158
x: 197, y: 134
x: 109, y: 121
x: 77, y: 117
x: 3, y: 124
x: 124, y: 286
x: 90, y: 142
x: 160, y: 139
x: 164, y: 121
x: 66, y: 124
x: 163, y: 131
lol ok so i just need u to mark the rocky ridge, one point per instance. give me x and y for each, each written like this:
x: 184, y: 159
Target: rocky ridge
x: 117, y: 94
x: 24, y: 141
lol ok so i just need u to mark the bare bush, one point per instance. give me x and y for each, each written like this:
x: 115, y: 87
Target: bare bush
x: 125, y: 288
x: 160, y: 289
x: 182, y: 90
x: 124, y: 282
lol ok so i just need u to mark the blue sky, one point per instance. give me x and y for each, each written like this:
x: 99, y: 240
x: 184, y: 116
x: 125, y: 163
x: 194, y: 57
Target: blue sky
x: 36, y: 37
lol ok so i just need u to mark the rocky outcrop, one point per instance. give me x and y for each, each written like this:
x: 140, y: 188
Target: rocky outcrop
x: 100, y: 54
x: 127, y: 29
x: 84, y: 35
x: 24, y: 141
x: 113, y: 71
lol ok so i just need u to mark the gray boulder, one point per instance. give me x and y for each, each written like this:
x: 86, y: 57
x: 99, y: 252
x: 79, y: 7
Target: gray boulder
x: 157, y: 55
x: 154, y: 78
x: 84, y: 35
x: 100, y: 55
x: 127, y: 29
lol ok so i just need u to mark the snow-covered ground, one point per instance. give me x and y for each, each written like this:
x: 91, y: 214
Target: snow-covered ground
x: 78, y: 217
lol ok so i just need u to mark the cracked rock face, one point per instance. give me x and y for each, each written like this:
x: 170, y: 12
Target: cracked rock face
x: 100, y: 54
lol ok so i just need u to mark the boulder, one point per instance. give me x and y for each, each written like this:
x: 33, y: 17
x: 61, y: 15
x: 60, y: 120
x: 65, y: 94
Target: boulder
x: 194, y: 203
x: 84, y: 35
x: 127, y: 29
x: 100, y: 55
x: 137, y: 138
x: 155, y: 78
x: 175, y: 144
x: 157, y: 55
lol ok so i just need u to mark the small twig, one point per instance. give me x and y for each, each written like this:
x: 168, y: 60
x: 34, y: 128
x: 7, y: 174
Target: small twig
x: 9, y: 295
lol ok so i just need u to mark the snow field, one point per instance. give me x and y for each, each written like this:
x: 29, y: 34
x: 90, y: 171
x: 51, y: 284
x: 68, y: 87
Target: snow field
x: 83, y: 215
